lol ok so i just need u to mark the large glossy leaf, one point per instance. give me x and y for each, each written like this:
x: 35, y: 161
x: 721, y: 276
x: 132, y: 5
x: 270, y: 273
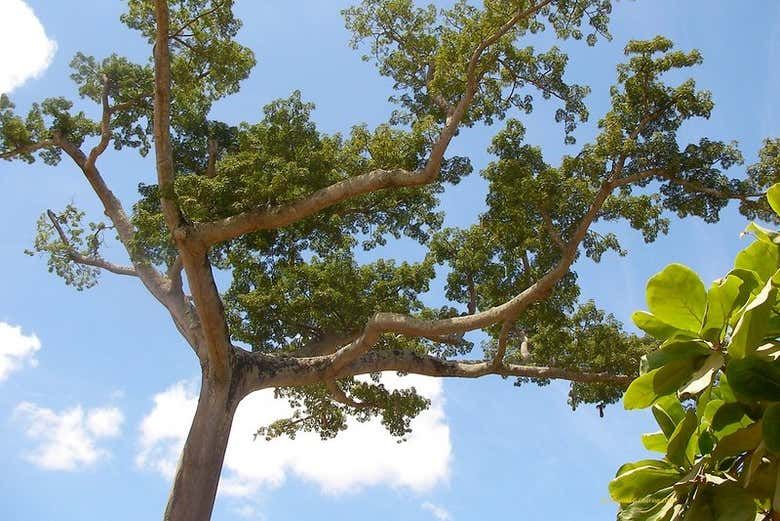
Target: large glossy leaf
x: 726, y: 296
x: 759, y: 257
x: 722, y: 503
x: 703, y: 376
x: 752, y: 327
x: 656, y: 328
x: 773, y: 196
x: 676, y: 450
x: 743, y: 440
x: 728, y: 418
x: 655, y: 507
x: 677, y: 297
x: 665, y: 380
x: 763, y: 234
x: 655, y: 441
x: 641, y: 479
x: 674, y: 350
x: 668, y: 412
x: 754, y: 378
x: 771, y: 427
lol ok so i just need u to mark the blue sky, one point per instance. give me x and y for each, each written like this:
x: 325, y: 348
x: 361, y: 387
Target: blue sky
x: 95, y: 387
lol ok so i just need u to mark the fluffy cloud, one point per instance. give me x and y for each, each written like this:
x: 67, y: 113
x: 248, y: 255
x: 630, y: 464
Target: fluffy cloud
x: 68, y: 440
x: 16, y: 348
x: 364, y: 455
x: 437, y: 512
x: 25, y: 50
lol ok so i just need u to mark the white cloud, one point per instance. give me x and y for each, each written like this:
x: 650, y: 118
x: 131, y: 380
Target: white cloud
x: 68, y: 440
x: 25, y: 50
x: 436, y: 511
x: 363, y: 455
x: 16, y: 348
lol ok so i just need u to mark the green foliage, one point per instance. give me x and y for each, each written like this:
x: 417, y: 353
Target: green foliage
x: 302, y: 284
x: 714, y: 388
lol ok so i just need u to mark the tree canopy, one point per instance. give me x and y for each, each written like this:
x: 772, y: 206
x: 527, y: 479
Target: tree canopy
x: 281, y: 207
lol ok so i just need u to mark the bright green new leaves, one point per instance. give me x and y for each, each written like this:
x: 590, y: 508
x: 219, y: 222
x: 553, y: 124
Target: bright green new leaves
x: 773, y: 197
x: 676, y: 296
x: 728, y: 438
x: 636, y: 480
x: 753, y: 325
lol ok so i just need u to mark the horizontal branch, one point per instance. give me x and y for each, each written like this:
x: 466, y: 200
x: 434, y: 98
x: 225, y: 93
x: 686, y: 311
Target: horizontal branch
x: 27, y: 149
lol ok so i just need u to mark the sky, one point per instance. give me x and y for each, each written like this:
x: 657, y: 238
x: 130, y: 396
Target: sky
x: 97, y: 389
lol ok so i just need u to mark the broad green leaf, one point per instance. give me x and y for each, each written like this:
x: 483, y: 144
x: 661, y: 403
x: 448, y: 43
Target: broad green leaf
x: 659, y: 382
x: 657, y: 329
x: 726, y: 296
x: 728, y: 418
x: 655, y: 441
x: 676, y: 450
x: 668, y: 412
x: 722, y: 503
x: 654, y: 507
x: 674, y: 350
x: 759, y: 257
x: 773, y: 196
x: 754, y: 378
x: 638, y: 481
x: 704, y: 375
x: 771, y: 427
x: 676, y: 296
x: 743, y: 440
x: 752, y: 327
x: 763, y: 234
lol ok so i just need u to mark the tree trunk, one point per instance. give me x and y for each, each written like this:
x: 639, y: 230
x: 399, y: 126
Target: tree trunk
x: 200, y: 465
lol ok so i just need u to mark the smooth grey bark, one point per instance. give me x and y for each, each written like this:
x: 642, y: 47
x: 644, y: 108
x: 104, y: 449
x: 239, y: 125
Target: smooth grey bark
x: 200, y: 465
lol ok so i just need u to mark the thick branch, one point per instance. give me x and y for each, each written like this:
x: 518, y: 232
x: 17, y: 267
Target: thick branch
x: 27, y: 149
x: 193, y: 253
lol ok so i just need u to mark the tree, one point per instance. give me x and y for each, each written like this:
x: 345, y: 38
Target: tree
x: 281, y: 207
x: 714, y: 388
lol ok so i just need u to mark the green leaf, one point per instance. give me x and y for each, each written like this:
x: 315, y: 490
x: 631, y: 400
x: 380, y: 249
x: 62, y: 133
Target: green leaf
x: 654, y: 507
x: 674, y: 350
x: 773, y: 196
x: 771, y: 427
x: 728, y: 418
x: 637, y: 480
x: 656, y: 328
x: 726, y: 296
x: 759, y: 257
x: 678, y: 441
x: 668, y: 412
x: 752, y: 327
x: 755, y: 378
x: 722, y: 503
x: 655, y: 441
x: 763, y: 234
x: 742, y: 440
x: 677, y: 297
x: 659, y: 382
x: 703, y: 376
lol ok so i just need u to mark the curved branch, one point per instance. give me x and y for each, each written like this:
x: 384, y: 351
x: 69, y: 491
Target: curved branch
x: 78, y: 258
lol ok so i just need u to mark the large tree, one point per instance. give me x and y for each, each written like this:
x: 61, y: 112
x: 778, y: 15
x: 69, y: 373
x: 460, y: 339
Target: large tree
x: 281, y: 209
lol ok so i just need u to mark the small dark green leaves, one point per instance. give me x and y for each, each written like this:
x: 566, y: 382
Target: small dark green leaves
x: 771, y: 428
x: 637, y: 480
x: 659, y: 382
x: 755, y: 379
x: 677, y: 297
x: 676, y: 451
x: 759, y: 257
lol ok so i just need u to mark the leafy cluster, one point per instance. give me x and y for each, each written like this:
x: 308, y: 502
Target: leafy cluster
x: 714, y: 389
